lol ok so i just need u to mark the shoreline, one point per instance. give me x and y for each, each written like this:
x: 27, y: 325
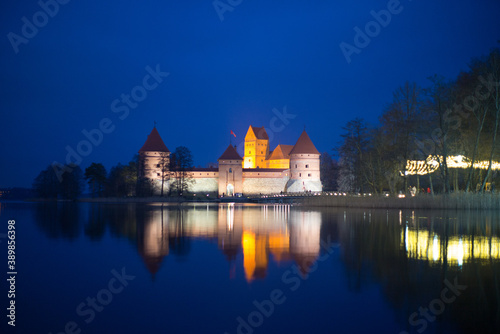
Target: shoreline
x: 454, y: 201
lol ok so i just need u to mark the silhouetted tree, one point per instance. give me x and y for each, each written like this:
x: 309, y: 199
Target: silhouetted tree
x: 180, y: 161
x: 95, y: 175
x: 352, y: 150
x: 164, y: 164
x: 46, y: 184
x: 122, y: 179
x: 329, y: 171
x: 145, y: 187
x: 72, y: 183
x: 399, y: 124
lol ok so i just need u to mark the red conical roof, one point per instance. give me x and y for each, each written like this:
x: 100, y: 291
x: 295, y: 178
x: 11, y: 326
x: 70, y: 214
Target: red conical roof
x: 304, y: 145
x: 281, y: 152
x: 230, y: 154
x: 154, y: 143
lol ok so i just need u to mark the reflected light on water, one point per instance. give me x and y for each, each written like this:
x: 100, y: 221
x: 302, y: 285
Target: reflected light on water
x: 425, y: 245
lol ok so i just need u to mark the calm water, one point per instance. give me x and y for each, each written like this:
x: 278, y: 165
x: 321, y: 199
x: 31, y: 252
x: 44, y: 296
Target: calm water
x: 102, y: 268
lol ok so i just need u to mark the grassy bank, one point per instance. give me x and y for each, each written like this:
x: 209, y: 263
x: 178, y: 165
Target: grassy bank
x: 463, y: 201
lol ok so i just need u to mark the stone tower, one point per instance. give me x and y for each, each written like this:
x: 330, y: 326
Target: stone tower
x: 230, y: 172
x: 304, y: 166
x: 256, y: 148
x: 154, y: 157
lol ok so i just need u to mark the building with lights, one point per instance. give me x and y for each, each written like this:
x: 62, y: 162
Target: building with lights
x: 287, y: 168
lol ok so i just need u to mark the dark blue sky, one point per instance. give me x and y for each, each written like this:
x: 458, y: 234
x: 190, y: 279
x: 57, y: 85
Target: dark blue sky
x: 223, y: 75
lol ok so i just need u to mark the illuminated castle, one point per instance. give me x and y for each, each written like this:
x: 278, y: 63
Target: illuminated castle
x: 287, y: 168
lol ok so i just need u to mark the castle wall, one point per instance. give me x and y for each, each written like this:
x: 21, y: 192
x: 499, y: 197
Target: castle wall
x: 297, y: 186
x: 204, y: 185
x: 264, y: 184
x: 278, y: 163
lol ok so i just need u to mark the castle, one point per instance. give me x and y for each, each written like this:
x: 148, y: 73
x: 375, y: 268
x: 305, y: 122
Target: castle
x: 286, y: 169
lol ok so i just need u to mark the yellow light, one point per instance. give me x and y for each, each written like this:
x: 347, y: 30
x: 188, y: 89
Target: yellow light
x: 248, y: 245
x: 425, y: 245
x: 431, y: 164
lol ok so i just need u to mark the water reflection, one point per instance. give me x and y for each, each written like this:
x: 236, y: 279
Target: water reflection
x: 257, y: 232
x: 422, y: 241
x: 408, y: 254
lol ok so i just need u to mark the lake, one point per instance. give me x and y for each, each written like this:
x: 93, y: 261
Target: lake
x: 244, y: 268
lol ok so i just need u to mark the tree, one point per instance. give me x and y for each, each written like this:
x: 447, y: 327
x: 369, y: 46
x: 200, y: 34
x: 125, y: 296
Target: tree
x: 329, y: 172
x: 46, y: 184
x: 444, y: 123
x: 115, y: 185
x: 352, y: 152
x: 399, y: 124
x: 122, y: 179
x: 471, y: 131
x: 180, y: 161
x: 164, y: 164
x: 72, y: 184
x: 145, y: 187
x: 492, y: 68
x: 95, y: 175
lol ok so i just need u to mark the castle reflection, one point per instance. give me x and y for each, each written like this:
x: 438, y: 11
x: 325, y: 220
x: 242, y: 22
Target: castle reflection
x: 259, y: 232
x: 408, y: 254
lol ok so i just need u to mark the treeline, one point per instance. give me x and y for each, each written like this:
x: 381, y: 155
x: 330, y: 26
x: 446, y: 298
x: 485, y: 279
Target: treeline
x: 448, y: 118
x: 121, y: 180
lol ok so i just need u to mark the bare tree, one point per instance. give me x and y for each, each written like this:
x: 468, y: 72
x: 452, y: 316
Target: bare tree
x: 399, y: 125
x: 164, y: 164
x: 492, y: 64
x: 180, y: 161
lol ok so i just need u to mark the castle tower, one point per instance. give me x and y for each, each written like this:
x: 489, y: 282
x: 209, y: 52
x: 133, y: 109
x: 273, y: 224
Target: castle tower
x: 154, y: 157
x: 304, y: 166
x: 230, y: 172
x: 256, y: 148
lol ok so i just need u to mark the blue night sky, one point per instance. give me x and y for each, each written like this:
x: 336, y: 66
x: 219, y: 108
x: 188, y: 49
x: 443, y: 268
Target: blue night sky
x: 223, y: 74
